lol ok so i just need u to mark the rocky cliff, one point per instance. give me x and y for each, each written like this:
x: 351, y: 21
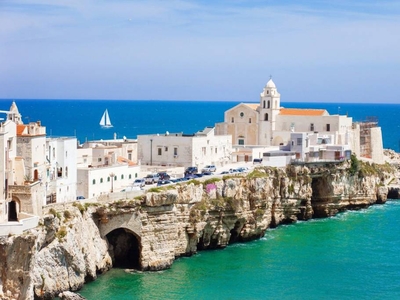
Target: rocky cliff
x: 76, y: 242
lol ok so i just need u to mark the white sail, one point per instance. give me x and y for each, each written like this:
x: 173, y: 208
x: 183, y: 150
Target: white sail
x: 105, y: 120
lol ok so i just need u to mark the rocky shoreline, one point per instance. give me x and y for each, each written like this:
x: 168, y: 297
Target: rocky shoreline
x: 75, y: 244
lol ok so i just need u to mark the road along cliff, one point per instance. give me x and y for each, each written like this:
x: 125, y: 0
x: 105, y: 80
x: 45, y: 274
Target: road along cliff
x: 78, y: 241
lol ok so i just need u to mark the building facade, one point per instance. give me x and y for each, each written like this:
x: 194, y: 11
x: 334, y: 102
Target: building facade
x: 184, y: 150
x: 268, y: 124
x: 61, y: 170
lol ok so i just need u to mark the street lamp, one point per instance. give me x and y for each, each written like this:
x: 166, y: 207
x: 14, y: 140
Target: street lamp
x: 112, y: 182
x: 151, y: 152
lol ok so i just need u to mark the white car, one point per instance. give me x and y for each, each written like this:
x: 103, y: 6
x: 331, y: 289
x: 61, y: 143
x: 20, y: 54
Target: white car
x: 209, y: 168
x: 131, y: 188
x: 152, y: 178
x: 139, y: 183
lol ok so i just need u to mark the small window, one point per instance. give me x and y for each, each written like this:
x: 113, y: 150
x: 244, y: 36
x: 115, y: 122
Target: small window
x: 233, y: 119
x: 249, y: 120
x: 159, y: 151
x: 263, y: 104
x: 166, y: 149
x: 266, y: 117
x: 130, y: 176
x: 312, y: 127
x: 175, y: 151
x: 299, y: 141
x: 269, y: 104
x: 101, y: 180
x: 108, y: 179
x: 328, y: 127
x: 115, y: 177
x: 241, y: 141
x: 99, y: 159
x: 267, y: 92
x: 94, y: 181
x: 122, y: 176
x: 241, y: 114
x: 66, y: 171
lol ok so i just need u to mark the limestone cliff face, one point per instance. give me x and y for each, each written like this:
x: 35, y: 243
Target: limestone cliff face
x: 61, y: 254
x: 69, y: 249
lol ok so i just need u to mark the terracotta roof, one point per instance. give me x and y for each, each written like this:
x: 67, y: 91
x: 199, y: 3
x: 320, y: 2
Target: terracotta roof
x: 253, y: 106
x: 302, y: 112
x: 20, y: 129
x: 125, y: 160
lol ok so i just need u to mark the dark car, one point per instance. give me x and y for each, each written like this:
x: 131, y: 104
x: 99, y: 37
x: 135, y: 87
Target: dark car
x: 190, y: 171
x: 163, y: 176
x: 163, y: 182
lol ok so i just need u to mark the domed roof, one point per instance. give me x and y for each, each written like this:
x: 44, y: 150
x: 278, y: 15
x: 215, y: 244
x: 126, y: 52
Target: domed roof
x: 270, y: 84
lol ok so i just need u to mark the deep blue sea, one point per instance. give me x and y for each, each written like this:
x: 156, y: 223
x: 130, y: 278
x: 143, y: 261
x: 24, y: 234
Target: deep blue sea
x: 81, y: 118
x: 355, y: 255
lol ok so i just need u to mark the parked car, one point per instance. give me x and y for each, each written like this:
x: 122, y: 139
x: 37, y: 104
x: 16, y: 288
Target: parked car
x: 207, y: 173
x: 191, y: 170
x: 163, y: 182
x: 243, y: 169
x: 131, y: 188
x: 151, y: 178
x: 80, y: 198
x: 257, y: 161
x: 209, y: 168
x: 163, y: 176
x: 139, y: 183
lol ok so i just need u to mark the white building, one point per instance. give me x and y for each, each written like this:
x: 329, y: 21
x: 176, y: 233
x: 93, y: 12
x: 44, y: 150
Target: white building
x: 184, y: 150
x: 61, y: 171
x: 20, y: 198
x: 104, y: 168
x: 268, y: 124
x: 126, y: 148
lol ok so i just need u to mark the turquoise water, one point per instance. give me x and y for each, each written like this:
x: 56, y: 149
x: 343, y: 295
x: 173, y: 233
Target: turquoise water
x: 355, y: 255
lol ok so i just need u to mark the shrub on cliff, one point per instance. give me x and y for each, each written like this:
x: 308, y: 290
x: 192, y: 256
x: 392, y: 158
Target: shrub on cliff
x: 354, y: 165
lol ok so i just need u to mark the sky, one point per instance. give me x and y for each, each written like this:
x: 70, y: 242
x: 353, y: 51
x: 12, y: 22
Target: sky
x: 315, y: 51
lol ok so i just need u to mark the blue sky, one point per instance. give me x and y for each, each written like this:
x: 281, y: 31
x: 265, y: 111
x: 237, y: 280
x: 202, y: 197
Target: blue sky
x: 316, y: 51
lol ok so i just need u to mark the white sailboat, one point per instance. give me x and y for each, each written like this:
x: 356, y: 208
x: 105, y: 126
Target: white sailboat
x: 105, y: 121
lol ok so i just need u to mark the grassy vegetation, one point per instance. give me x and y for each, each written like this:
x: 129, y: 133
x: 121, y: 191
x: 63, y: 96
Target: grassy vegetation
x: 81, y: 208
x: 67, y: 214
x: 211, y: 180
x: 61, y: 233
x: 364, y: 169
x: 257, y: 173
x: 194, y: 181
x: 155, y: 190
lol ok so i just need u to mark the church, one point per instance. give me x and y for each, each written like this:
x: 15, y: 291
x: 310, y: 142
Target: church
x: 266, y: 125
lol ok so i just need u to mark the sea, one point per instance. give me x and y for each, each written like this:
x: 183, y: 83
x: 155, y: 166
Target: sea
x: 354, y: 255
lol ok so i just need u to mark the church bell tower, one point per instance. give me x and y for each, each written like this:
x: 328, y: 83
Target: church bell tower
x: 270, y: 102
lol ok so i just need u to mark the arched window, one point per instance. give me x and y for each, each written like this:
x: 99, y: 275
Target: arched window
x: 267, y: 92
x: 94, y: 181
x: 266, y: 117
x: 264, y: 104
x: 269, y: 104
x: 101, y: 180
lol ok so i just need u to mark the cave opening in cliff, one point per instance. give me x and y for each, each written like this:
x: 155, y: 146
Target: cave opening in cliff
x: 124, y: 248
